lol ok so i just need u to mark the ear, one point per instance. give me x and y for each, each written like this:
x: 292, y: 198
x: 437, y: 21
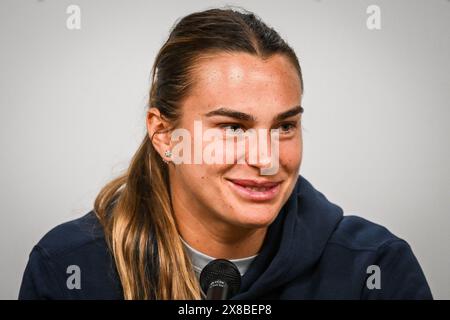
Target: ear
x: 158, y: 131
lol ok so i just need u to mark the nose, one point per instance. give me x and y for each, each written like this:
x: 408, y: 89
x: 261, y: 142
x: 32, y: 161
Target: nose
x: 263, y: 151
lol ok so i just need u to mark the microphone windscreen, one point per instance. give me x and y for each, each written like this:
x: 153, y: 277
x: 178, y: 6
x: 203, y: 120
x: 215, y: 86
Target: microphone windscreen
x: 221, y: 271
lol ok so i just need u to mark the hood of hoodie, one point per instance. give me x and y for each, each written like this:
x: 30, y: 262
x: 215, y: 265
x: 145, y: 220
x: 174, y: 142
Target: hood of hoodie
x: 294, y: 241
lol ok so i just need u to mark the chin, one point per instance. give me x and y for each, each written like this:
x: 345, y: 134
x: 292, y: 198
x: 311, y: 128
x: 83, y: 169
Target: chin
x: 251, y: 217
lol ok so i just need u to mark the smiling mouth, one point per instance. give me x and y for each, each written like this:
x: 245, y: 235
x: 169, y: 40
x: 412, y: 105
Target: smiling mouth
x: 255, y: 190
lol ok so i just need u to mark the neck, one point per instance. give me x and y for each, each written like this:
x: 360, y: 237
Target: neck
x: 211, y: 242
x: 211, y: 236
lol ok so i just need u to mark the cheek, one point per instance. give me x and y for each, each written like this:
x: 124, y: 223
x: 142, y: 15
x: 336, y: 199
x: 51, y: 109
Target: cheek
x: 204, y: 176
x: 291, y: 155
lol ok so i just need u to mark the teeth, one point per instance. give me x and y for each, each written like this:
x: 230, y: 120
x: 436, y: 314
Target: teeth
x: 256, y: 189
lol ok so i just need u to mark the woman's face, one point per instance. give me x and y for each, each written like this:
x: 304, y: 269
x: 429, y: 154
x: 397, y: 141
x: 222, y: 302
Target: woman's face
x: 250, y: 94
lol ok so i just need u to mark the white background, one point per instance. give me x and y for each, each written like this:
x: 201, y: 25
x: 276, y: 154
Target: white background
x: 72, y: 108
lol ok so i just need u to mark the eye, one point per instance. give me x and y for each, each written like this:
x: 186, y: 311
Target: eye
x: 232, y: 128
x: 288, y: 127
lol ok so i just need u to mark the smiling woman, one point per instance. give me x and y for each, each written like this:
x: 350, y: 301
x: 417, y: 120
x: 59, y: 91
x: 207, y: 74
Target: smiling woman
x: 154, y: 229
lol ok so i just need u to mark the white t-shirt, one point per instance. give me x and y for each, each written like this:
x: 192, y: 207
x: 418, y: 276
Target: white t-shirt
x: 200, y: 260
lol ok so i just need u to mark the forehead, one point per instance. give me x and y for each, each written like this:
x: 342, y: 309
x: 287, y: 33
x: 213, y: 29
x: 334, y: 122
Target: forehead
x: 246, y: 82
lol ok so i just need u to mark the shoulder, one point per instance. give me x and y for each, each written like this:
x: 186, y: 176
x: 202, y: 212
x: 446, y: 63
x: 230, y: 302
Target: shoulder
x: 72, y: 236
x: 374, y: 246
x: 71, y: 261
x: 348, y: 245
x: 357, y: 233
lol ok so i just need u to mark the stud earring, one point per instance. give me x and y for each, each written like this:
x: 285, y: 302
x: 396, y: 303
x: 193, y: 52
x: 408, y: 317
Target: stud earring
x: 168, y: 154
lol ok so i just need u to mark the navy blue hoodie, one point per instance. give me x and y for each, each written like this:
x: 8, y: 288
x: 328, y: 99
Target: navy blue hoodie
x: 311, y: 251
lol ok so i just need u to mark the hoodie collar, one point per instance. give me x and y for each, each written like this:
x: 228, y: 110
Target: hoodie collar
x: 294, y: 241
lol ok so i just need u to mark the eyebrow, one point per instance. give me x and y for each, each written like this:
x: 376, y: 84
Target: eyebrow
x: 248, y: 117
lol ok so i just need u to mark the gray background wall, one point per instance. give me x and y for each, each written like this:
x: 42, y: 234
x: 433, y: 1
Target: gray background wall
x: 72, y: 109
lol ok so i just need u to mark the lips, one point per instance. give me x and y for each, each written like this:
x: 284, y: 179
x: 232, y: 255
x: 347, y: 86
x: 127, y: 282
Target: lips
x: 254, y: 184
x: 255, y: 190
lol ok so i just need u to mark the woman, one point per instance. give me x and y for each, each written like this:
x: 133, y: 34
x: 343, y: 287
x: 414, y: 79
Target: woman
x: 153, y: 229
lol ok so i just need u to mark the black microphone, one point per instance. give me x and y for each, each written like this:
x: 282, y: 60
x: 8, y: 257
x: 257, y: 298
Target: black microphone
x: 220, y: 279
